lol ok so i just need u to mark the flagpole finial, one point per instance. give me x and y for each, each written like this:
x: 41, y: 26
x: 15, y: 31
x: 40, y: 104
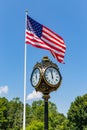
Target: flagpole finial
x: 26, y: 11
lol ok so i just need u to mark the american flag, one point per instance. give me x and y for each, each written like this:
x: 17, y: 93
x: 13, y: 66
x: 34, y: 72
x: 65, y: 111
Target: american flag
x: 42, y: 37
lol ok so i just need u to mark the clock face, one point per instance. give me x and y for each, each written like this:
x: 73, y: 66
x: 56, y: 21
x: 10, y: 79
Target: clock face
x: 52, y: 76
x: 35, y: 77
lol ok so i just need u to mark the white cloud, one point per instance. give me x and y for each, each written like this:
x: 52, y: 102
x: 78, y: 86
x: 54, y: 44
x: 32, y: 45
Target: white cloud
x: 34, y: 95
x: 4, y: 89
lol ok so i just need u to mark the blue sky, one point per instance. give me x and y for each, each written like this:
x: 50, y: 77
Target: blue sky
x: 66, y: 18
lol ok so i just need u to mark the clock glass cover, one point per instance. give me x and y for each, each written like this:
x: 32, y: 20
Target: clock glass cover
x: 52, y: 76
x: 35, y: 77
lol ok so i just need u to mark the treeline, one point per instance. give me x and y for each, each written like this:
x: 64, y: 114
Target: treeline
x: 11, y: 115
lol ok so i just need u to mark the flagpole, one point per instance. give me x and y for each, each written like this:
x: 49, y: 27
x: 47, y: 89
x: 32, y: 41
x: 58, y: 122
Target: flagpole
x: 25, y: 57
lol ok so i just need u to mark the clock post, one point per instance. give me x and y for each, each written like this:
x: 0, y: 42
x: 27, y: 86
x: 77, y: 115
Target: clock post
x: 46, y: 97
x: 46, y: 78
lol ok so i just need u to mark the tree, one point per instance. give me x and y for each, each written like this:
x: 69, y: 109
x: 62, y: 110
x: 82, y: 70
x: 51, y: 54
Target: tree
x: 28, y: 114
x: 3, y: 113
x: 11, y: 116
x: 15, y: 113
x: 35, y: 125
x: 57, y: 121
x: 77, y: 113
x: 38, y: 110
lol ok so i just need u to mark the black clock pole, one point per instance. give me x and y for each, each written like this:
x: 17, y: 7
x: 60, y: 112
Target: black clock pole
x: 46, y: 97
x: 46, y: 115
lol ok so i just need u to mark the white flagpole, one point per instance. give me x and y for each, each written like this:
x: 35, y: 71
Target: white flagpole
x: 25, y: 57
x: 24, y: 111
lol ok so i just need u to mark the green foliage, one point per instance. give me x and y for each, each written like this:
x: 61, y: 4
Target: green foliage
x: 55, y: 119
x: 11, y: 115
x: 85, y: 128
x: 38, y: 110
x: 77, y: 113
x: 15, y: 114
x: 35, y: 125
x: 3, y: 113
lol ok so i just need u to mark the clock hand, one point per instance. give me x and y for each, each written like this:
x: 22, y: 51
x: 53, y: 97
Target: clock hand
x: 36, y: 76
x: 51, y: 74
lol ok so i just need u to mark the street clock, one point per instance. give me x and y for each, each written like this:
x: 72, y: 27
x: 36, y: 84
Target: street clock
x: 46, y: 76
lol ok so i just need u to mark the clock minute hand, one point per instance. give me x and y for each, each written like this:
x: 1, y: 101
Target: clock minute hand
x: 51, y: 74
x: 36, y: 76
